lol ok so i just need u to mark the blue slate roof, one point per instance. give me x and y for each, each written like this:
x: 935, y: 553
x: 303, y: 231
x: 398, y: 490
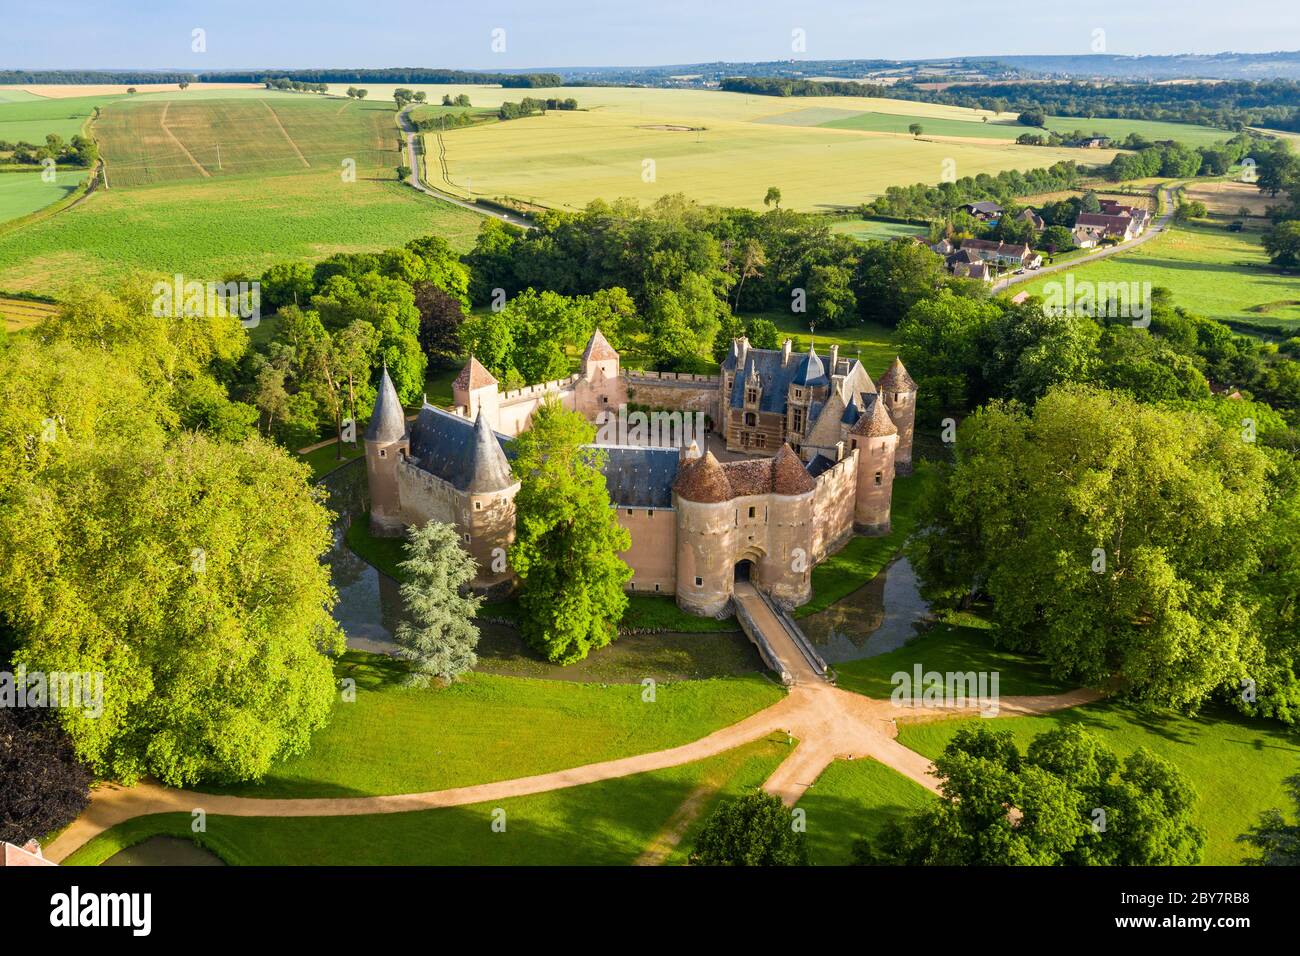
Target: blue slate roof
x: 640, y: 477
x: 467, y: 455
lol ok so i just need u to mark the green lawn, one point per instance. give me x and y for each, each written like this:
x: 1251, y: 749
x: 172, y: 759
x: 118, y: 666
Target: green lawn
x: 962, y: 643
x: 29, y: 120
x: 853, y: 799
x: 606, y: 823
x: 205, y: 228
x: 862, y: 558
x: 396, y: 739
x: 325, y: 459
x: 1236, y: 765
x: 1220, y: 274
x: 24, y: 193
x: 865, y: 229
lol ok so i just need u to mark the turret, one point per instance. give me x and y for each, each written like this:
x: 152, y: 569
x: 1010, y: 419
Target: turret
x: 385, y: 440
x: 899, y: 392
x: 474, y: 389
x: 599, y: 361
x: 875, y: 437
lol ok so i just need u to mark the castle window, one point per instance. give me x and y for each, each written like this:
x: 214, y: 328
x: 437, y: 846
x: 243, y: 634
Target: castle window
x: 629, y: 512
x: 797, y: 420
x: 383, y: 453
x: 750, y: 419
x: 656, y: 587
x: 877, y: 477
x: 798, y: 393
x: 466, y: 537
x: 760, y: 440
x: 699, y: 582
x: 751, y: 396
x: 753, y: 512
x: 478, y: 506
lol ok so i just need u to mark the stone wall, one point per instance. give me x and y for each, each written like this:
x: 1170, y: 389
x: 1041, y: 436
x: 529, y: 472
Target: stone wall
x: 653, y: 555
x: 675, y: 392
x: 833, y: 505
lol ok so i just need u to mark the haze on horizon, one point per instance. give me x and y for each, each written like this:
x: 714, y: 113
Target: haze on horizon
x: 292, y: 34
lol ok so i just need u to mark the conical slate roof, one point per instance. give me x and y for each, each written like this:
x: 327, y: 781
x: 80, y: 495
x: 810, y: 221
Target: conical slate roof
x: 896, y: 378
x: 485, y: 463
x: 875, y: 421
x: 388, y: 421
x: 468, y: 455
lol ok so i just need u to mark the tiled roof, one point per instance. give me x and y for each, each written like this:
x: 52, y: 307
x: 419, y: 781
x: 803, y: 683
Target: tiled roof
x: 875, y: 421
x: 705, y: 480
x: 473, y: 376
x: 702, y: 479
x: 598, y: 349
x: 387, y: 421
x: 896, y: 377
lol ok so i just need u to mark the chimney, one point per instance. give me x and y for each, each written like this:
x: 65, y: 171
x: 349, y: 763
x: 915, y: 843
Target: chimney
x: 835, y: 357
x: 744, y: 351
x: 785, y: 353
x: 839, y: 451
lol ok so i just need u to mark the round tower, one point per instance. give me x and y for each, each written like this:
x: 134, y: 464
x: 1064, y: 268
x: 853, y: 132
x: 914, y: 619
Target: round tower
x: 385, y: 442
x: 899, y: 393
x: 785, y: 572
x: 875, y: 437
x: 705, y: 524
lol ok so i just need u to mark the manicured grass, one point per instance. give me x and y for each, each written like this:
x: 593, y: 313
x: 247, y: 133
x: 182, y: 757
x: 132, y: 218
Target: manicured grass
x: 962, y: 643
x: 205, y: 228
x: 853, y: 799
x: 871, y: 343
x: 862, y: 558
x: 397, y: 739
x: 325, y: 459
x: 608, y: 823
x: 1236, y: 765
x: 716, y: 147
x: 1220, y: 274
x: 24, y: 193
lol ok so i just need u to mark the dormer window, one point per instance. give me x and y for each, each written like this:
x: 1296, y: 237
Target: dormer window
x: 798, y: 393
x: 751, y: 396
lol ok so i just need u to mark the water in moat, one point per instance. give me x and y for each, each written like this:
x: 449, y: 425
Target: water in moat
x: 880, y: 616
x: 164, y: 851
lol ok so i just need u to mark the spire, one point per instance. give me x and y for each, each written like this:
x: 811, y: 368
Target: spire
x: 486, y: 467
x: 896, y: 378
x: 387, y: 421
x: 598, y: 349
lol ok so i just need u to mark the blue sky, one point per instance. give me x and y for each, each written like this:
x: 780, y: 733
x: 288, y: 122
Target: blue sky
x: 554, y: 33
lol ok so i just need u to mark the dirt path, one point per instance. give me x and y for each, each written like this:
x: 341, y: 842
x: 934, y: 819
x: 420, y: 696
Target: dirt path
x: 289, y: 139
x: 828, y: 722
x: 162, y: 122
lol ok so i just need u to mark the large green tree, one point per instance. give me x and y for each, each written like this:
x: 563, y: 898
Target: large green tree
x: 1118, y: 540
x: 567, y: 544
x: 754, y: 830
x: 440, y: 637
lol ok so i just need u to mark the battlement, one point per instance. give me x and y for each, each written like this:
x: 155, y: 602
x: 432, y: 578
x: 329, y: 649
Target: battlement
x: 534, y: 391
x: 684, y: 378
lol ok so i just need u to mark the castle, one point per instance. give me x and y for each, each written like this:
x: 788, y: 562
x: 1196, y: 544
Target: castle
x: 812, y: 448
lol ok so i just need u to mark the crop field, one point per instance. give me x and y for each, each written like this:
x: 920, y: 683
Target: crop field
x: 725, y: 148
x: 206, y: 227
x: 22, y: 313
x: 1226, y: 198
x: 1216, y: 273
x: 876, y: 229
x: 30, y: 120
x: 23, y: 193
x: 164, y: 139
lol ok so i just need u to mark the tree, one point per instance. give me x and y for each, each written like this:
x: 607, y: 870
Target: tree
x: 831, y: 297
x: 488, y: 338
x: 763, y: 334
x: 1032, y: 119
x: 754, y: 830
x: 567, y: 544
x: 1275, y: 840
x: 440, y: 637
x: 361, y: 94
x: 1282, y: 243
x: 1109, y: 563
x: 287, y: 283
x: 1068, y: 801
x: 184, y: 84
x: 1056, y: 239
x: 915, y: 129
x: 773, y: 197
x: 45, y: 786
x: 441, y: 316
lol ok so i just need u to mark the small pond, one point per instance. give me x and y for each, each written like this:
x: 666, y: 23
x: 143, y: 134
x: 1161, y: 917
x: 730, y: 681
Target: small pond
x: 881, y: 616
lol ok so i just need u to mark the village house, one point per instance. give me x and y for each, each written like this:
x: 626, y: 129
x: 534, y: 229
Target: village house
x: 1016, y: 255
x: 985, y: 211
x: 1030, y: 216
x: 823, y: 444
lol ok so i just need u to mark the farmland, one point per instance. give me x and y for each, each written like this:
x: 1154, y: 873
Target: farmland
x: 716, y: 147
x: 22, y: 313
x: 207, y: 227
x: 23, y: 193
x: 1220, y: 274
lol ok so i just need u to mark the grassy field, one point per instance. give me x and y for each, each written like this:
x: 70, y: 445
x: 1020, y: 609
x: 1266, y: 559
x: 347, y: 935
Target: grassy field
x: 31, y: 119
x: 325, y: 459
x: 207, y: 227
x: 875, y: 229
x: 23, y: 313
x: 963, y: 642
x: 1236, y: 765
x: 716, y: 147
x: 1220, y: 274
x: 395, y: 739
x: 610, y: 823
x: 853, y: 799
x: 23, y: 193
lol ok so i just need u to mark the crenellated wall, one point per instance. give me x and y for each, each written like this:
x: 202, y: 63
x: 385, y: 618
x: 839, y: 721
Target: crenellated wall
x: 833, y: 504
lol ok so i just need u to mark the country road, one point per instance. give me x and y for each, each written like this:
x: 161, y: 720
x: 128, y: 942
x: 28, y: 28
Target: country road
x: 409, y: 132
x: 1155, y: 229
